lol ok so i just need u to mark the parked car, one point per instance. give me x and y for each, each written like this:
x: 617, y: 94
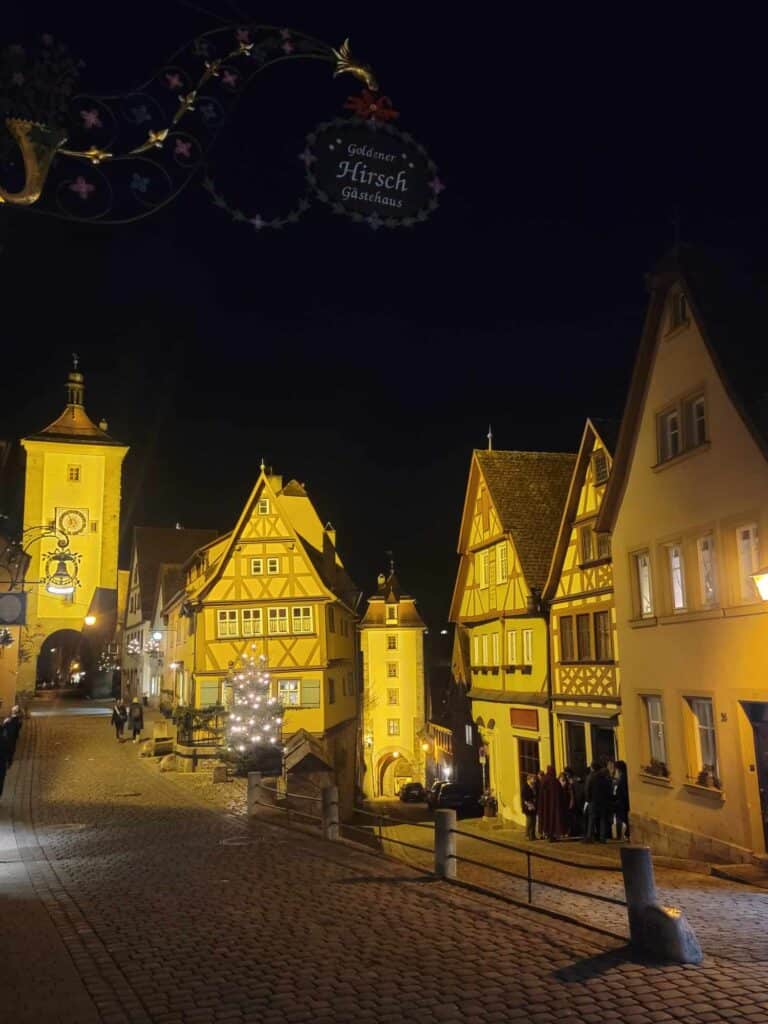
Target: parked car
x: 412, y: 792
x: 452, y: 795
x: 432, y: 792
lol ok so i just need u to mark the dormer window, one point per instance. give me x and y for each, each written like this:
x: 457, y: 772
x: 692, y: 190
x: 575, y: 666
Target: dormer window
x: 391, y: 613
x: 682, y: 427
x: 263, y: 507
x: 600, y: 466
x: 679, y: 311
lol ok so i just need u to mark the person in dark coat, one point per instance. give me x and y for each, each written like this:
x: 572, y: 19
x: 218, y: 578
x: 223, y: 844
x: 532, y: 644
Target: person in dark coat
x: 599, y: 793
x: 529, y: 806
x: 565, y: 783
x: 552, y: 801
x: 621, y: 801
x: 136, y: 717
x: 119, y: 718
x: 577, y: 810
x: 12, y: 728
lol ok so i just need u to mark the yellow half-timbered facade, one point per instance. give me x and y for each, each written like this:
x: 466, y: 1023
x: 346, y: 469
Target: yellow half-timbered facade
x: 579, y: 594
x: 274, y: 587
x: 512, y: 510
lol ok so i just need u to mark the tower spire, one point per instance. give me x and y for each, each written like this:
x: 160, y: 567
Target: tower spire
x: 490, y: 438
x: 75, y: 384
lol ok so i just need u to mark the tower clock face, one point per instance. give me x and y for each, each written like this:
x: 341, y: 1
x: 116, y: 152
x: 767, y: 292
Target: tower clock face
x: 72, y: 520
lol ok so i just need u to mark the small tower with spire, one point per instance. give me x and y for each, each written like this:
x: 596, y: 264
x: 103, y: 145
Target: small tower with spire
x: 72, y: 484
x: 393, y: 707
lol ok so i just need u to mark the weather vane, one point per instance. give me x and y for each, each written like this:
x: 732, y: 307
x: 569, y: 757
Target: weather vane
x: 119, y: 158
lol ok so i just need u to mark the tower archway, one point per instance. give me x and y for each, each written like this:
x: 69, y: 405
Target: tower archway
x: 65, y: 661
x: 394, y: 771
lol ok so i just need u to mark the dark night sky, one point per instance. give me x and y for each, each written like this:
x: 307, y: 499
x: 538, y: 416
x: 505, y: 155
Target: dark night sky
x: 369, y: 365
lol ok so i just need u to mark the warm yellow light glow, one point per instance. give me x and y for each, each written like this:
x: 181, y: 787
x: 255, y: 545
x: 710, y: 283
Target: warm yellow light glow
x: 90, y: 620
x: 396, y: 753
x: 425, y: 746
x: 761, y: 582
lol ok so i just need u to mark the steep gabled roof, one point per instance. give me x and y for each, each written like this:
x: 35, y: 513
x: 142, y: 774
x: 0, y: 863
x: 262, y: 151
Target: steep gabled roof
x: 730, y: 308
x: 591, y: 437
x: 157, y: 544
x: 528, y: 490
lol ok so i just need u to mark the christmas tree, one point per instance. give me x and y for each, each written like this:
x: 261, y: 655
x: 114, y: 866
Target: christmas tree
x: 253, y: 728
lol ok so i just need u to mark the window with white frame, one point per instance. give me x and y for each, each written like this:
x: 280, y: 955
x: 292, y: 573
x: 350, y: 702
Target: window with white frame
x: 642, y: 560
x: 677, y: 576
x: 502, y: 570
x: 512, y: 647
x: 263, y: 507
x: 707, y: 579
x: 393, y: 695
x: 695, y: 417
x: 277, y: 620
x: 391, y: 641
x: 391, y: 613
x: 273, y: 566
x: 257, y: 567
x: 393, y: 727
x: 670, y: 442
x: 567, y: 648
x: 603, y: 545
x: 482, y: 567
x: 599, y: 466
x: 704, y: 734
x: 527, y: 646
x: 302, y: 619
x: 476, y: 650
x: 288, y: 692
x: 392, y: 671
x: 678, y: 310
x: 583, y: 638
x: 656, y: 737
x: 468, y: 735
x: 484, y: 640
x: 227, y: 622
x: 73, y: 474
x: 495, y: 648
x: 603, y: 637
x: 748, y: 547
x: 252, y: 622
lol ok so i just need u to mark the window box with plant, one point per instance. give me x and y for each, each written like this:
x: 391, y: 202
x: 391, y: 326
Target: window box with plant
x: 658, y: 769
x: 707, y: 777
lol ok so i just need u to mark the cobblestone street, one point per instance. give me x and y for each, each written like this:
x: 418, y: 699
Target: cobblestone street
x: 128, y: 895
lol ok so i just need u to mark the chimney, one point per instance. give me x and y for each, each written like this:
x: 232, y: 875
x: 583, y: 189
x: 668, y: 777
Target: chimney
x: 329, y: 554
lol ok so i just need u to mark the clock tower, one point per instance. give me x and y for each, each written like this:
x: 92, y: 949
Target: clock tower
x: 72, y: 489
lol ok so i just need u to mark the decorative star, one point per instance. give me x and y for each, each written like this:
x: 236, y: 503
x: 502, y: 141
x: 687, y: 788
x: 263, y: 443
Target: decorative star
x: 243, y: 35
x: 174, y: 80
x: 140, y: 114
x: 257, y: 222
x: 96, y: 155
x: 91, y: 118
x: 287, y: 47
x: 229, y: 78
x: 212, y: 67
x: 157, y: 138
x: 436, y: 185
x: 183, y: 148
x: 307, y: 157
x: 139, y: 183
x: 82, y: 187
x: 188, y: 100
x: 375, y: 221
x: 208, y: 111
x: 200, y: 48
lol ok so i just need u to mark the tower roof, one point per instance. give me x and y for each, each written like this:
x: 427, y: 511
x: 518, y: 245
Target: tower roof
x: 74, y: 423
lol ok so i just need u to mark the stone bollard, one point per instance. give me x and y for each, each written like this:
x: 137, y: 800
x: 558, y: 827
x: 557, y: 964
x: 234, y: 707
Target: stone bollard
x: 445, y: 844
x: 330, y: 812
x: 219, y: 773
x: 254, y: 794
x: 661, y: 933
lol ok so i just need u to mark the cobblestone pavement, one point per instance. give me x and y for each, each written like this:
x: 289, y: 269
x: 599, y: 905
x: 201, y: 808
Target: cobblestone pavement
x: 165, y: 907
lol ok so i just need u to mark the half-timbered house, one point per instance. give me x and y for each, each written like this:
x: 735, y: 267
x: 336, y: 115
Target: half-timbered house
x: 275, y: 586
x: 512, y: 511
x: 579, y: 594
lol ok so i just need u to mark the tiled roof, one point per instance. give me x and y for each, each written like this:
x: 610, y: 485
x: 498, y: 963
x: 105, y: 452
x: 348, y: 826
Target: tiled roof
x: 156, y: 544
x: 529, y: 491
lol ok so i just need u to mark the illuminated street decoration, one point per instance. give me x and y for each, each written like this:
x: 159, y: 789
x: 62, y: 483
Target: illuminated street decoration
x: 254, y: 722
x: 114, y: 159
x: 60, y: 574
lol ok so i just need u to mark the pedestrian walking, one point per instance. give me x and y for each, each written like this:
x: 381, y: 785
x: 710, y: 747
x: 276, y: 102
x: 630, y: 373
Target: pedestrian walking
x: 621, y: 801
x: 529, y: 806
x: 12, y: 728
x: 119, y: 718
x: 599, y: 793
x: 552, y: 807
x: 136, y: 716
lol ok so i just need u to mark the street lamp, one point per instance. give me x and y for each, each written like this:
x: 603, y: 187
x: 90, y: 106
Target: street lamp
x: 90, y: 620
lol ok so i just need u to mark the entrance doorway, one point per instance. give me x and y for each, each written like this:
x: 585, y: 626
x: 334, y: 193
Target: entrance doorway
x: 576, y: 748
x: 528, y: 759
x: 757, y: 712
x: 603, y: 744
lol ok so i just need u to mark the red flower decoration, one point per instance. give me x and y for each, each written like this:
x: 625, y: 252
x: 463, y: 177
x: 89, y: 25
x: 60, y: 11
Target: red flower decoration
x: 370, y: 107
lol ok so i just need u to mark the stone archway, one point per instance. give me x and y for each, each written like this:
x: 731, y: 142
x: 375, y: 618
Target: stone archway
x: 393, y: 771
x: 65, y: 661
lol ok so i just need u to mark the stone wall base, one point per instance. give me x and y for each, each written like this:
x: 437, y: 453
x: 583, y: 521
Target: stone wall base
x: 672, y: 841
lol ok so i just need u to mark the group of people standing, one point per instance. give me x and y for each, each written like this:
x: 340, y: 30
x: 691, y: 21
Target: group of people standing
x: 132, y: 715
x: 9, y: 737
x: 593, y: 809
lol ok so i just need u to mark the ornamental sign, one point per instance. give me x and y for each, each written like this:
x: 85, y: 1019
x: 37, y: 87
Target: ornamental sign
x: 372, y: 172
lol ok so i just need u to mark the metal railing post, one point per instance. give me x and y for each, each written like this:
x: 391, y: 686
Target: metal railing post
x: 329, y: 796
x: 445, y: 843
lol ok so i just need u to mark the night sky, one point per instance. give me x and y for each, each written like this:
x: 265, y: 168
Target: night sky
x: 368, y: 364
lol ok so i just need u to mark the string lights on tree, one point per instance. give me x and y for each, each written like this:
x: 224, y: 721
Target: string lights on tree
x: 254, y: 723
